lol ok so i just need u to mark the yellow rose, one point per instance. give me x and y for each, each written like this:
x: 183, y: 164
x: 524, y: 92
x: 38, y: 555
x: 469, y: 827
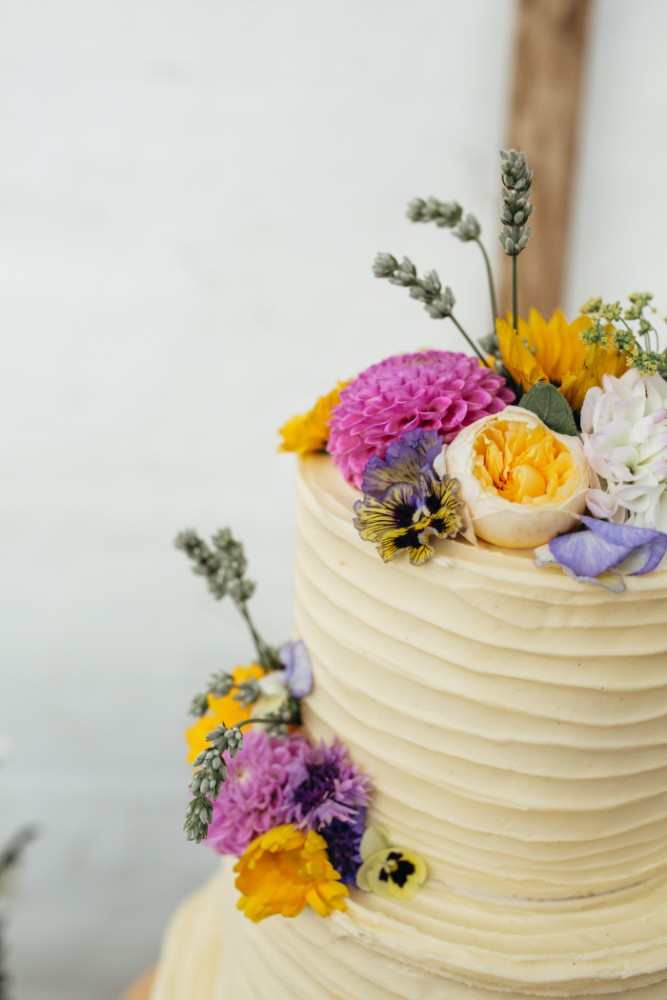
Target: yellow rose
x: 522, y: 483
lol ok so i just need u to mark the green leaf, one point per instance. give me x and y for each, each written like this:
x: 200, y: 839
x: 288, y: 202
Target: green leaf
x: 546, y: 402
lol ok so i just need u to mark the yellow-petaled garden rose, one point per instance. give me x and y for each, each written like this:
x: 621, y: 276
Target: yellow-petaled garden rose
x: 522, y: 483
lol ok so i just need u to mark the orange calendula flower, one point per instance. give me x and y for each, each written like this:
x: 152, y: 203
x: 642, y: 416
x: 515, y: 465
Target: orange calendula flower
x: 310, y: 431
x: 221, y: 710
x: 283, y: 871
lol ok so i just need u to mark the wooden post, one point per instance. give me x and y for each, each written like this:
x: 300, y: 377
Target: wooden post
x: 549, y: 72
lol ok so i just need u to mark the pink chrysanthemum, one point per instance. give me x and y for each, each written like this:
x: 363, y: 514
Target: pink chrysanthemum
x: 441, y: 391
x: 252, y: 799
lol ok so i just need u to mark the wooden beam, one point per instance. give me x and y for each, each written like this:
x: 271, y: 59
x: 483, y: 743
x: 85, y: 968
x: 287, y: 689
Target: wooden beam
x: 549, y: 72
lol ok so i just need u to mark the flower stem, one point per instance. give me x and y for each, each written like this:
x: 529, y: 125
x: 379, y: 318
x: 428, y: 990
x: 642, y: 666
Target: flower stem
x: 492, y: 290
x: 470, y: 342
x: 264, y: 655
x: 515, y: 295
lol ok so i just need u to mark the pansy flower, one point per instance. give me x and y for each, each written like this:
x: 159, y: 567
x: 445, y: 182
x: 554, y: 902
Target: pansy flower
x: 605, y: 552
x: 396, y: 872
x: 298, y: 670
x: 406, y: 502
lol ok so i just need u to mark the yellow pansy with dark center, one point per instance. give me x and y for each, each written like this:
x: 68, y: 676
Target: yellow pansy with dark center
x: 392, y: 871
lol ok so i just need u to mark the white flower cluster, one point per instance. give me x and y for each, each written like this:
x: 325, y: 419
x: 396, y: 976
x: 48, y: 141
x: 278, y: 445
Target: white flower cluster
x: 624, y: 428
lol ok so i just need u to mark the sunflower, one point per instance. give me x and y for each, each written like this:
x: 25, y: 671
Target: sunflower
x: 553, y: 351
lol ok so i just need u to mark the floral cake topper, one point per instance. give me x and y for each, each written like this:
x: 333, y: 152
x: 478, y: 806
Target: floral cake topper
x: 291, y: 811
x: 550, y: 435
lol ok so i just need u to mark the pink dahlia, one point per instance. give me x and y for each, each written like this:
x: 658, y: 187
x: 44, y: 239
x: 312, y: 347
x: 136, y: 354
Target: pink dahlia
x: 253, y: 798
x: 442, y: 391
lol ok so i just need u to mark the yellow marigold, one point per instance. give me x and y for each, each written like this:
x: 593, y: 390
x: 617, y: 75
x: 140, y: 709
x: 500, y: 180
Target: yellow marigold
x: 283, y: 871
x: 220, y: 710
x: 310, y: 431
x: 553, y: 351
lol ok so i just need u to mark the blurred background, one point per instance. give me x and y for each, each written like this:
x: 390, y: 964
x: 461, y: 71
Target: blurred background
x: 191, y: 197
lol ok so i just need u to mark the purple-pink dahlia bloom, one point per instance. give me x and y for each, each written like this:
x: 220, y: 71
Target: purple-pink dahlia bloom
x: 325, y: 786
x: 253, y: 798
x: 442, y: 391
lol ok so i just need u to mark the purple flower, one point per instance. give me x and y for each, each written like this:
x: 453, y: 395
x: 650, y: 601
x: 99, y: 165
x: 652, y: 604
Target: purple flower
x: 325, y: 786
x: 254, y: 797
x: 605, y: 552
x: 343, y: 843
x: 298, y: 671
x: 439, y: 391
x: 404, y: 462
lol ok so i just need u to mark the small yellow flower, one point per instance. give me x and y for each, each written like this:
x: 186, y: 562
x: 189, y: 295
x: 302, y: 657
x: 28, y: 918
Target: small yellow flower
x: 283, y: 871
x: 554, y: 352
x: 395, y: 872
x: 310, y: 431
x: 221, y: 710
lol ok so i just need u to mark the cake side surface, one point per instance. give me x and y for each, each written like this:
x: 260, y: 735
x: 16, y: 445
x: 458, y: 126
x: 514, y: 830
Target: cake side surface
x: 514, y: 735
x: 512, y: 720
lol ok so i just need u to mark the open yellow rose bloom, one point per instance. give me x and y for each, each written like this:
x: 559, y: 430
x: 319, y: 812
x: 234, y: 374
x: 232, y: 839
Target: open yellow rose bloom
x: 524, y: 464
x: 522, y: 483
x: 553, y: 351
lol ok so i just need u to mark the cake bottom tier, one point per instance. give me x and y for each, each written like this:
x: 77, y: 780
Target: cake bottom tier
x: 442, y: 945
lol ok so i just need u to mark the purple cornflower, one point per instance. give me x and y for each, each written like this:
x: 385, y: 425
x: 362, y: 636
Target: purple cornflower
x: 325, y: 786
x: 343, y: 842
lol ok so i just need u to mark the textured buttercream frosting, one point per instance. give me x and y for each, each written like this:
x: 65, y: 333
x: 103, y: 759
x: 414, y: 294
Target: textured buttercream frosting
x: 514, y: 723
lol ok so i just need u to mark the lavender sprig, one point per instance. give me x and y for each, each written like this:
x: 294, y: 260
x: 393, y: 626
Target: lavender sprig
x: 212, y: 766
x: 9, y: 858
x: 515, y: 210
x: 438, y: 302
x: 224, y: 566
x: 449, y: 214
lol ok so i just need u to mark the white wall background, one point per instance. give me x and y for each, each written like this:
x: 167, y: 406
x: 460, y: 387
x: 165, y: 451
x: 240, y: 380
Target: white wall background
x: 191, y: 194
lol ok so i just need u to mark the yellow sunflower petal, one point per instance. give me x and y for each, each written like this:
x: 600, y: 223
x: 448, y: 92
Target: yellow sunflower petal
x: 517, y: 357
x: 598, y: 361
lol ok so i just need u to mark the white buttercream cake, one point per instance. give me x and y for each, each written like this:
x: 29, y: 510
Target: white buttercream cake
x: 514, y: 724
